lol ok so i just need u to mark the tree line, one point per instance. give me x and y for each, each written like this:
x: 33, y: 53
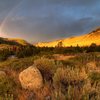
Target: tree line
x: 30, y: 50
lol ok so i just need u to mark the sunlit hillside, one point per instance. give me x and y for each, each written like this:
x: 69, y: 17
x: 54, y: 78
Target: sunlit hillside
x: 20, y: 41
x: 83, y: 40
x: 13, y: 41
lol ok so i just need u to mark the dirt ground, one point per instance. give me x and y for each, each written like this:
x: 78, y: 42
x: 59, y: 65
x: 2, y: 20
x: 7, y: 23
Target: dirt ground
x: 63, y: 57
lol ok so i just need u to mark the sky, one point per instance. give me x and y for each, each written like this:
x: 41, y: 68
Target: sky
x: 47, y: 20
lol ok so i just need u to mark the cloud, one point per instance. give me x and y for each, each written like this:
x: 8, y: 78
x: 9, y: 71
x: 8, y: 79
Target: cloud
x: 45, y: 20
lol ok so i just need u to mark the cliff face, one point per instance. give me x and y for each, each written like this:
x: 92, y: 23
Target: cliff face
x: 83, y: 40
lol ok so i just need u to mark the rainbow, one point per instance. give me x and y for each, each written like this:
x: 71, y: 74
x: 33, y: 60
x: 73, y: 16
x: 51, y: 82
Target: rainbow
x: 7, y: 17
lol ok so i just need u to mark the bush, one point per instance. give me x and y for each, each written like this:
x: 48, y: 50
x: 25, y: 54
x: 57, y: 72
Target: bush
x: 46, y: 66
x: 67, y: 76
x: 18, y: 64
x: 2, y: 57
x: 95, y: 77
x: 26, y: 51
x: 7, y: 85
x: 69, y: 63
x: 69, y: 82
x: 4, y: 54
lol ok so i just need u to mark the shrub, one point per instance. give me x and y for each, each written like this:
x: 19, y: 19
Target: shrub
x: 69, y: 82
x: 26, y: 51
x: 69, y: 63
x: 90, y: 92
x: 17, y: 64
x: 4, y: 54
x: 83, y: 59
x: 7, y: 85
x: 46, y: 66
x: 95, y: 77
x: 67, y: 76
x: 2, y: 57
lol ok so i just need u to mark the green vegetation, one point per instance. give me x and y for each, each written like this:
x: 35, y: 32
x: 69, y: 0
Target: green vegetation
x: 29, y: 50
x: 47, y: 67
x: 4, y: 54
x: 65, y: 79
x: 74, y: 78
x: 95, y: 77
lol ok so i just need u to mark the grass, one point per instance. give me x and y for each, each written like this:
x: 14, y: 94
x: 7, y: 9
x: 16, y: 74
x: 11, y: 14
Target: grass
x: 17, y: 64
x: 7, y: 85
x: 95, y: 77
x: 47, y: 67
x: 71, y: 79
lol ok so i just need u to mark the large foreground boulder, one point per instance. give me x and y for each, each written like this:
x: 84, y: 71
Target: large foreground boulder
x: 31, y: 78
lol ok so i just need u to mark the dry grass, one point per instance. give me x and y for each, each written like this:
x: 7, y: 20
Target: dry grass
x: 81, y: 82
x: 62, y: 57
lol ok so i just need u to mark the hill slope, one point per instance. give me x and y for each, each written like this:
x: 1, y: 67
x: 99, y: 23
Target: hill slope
x: 10, y: 41
x: 83, y: 40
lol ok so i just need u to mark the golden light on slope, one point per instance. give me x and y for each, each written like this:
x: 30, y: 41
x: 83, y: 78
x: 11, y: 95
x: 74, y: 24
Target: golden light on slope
x: 83, y: 40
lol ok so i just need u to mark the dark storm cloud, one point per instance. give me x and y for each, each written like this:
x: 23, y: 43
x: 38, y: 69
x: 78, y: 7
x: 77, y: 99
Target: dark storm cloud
x: 6, y: 6
x: 74, y: 2
x: 45, y: 20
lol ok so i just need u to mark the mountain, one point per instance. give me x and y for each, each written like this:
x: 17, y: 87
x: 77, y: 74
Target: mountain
x: 19, y: 41
x: 11, y: 41
x: 82, y: 40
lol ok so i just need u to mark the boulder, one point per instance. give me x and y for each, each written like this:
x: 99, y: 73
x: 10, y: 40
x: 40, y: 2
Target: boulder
x: 31, y: 78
